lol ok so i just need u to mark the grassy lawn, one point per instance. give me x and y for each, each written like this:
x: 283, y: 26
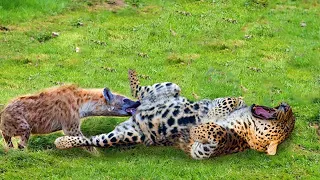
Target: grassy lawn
x: 265, y: 51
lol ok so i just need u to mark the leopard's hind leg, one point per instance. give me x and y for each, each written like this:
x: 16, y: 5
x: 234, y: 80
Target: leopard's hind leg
x: 126, y: 133
x: 73, y: 129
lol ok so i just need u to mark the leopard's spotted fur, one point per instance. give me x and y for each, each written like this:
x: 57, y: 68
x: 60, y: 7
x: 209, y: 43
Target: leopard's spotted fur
x: 161, y: 117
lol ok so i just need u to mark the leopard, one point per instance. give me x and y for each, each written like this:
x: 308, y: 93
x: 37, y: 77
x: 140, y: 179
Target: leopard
x: 161, y: 116
x: 59, y: 108
x: 256, y: 127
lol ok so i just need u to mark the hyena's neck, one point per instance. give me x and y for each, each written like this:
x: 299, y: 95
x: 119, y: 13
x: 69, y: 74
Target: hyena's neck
x: 88, y: 100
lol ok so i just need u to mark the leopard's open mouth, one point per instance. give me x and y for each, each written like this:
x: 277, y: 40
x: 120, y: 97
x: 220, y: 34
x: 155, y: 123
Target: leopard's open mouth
x: 133, y: 108
x: 263, y: 112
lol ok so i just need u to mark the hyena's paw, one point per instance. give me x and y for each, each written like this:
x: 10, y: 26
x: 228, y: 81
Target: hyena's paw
x: 67, y: 142
x: 92, y: 150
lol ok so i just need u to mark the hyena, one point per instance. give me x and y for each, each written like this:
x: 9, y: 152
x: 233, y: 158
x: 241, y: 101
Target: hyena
x: 59, y: 108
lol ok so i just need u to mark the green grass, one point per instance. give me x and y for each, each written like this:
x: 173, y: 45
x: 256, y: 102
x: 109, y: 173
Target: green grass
x: 251, y: 48
x: 22, y: 10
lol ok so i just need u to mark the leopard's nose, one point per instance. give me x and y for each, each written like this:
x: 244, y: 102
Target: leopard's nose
x: 284, y: 104
x: 284, y: 107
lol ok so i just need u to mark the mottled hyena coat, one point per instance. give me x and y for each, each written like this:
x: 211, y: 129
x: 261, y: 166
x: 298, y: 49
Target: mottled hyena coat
x: 59, y: 108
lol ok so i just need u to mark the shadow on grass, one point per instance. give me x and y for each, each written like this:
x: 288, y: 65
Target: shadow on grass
x: 94, y: 126
x: 90, y: 127
x: 155, y: 152
x: 35, y: 156
x: 43, y: 142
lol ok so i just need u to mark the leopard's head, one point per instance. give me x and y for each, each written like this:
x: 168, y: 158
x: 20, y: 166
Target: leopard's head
x: 275, y: 125
x: 280, y: 113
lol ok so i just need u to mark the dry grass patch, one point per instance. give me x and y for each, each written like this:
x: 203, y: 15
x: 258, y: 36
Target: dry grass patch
x: 182, y: 58
x: 110, y: 5
x: 219, y: 45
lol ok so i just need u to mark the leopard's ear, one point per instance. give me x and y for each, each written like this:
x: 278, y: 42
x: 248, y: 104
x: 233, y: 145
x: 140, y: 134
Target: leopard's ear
x: 108, y: 95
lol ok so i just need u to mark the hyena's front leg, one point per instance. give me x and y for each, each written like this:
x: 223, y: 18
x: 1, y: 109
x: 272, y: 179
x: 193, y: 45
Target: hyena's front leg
x: 126, y: 133
x: 73, y: 129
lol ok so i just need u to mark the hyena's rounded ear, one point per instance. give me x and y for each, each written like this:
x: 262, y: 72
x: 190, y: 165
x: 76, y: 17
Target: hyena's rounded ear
x: 108, y: 95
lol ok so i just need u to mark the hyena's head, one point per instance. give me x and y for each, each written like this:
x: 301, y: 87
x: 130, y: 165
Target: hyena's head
x: 115, y: 105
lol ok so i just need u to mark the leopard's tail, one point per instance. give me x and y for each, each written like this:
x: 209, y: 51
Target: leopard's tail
x: 134, y: 83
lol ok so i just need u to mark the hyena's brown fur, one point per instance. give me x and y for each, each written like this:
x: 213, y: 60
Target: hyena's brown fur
x: 58, y: 108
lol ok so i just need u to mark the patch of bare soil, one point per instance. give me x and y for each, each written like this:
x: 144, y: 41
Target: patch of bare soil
x: 315, y: 125
x: 110, y: 5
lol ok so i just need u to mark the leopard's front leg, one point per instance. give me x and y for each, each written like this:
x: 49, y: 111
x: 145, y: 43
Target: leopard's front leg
x: 126, y: 133
x: 203, y: 141
x: 200, y: 150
